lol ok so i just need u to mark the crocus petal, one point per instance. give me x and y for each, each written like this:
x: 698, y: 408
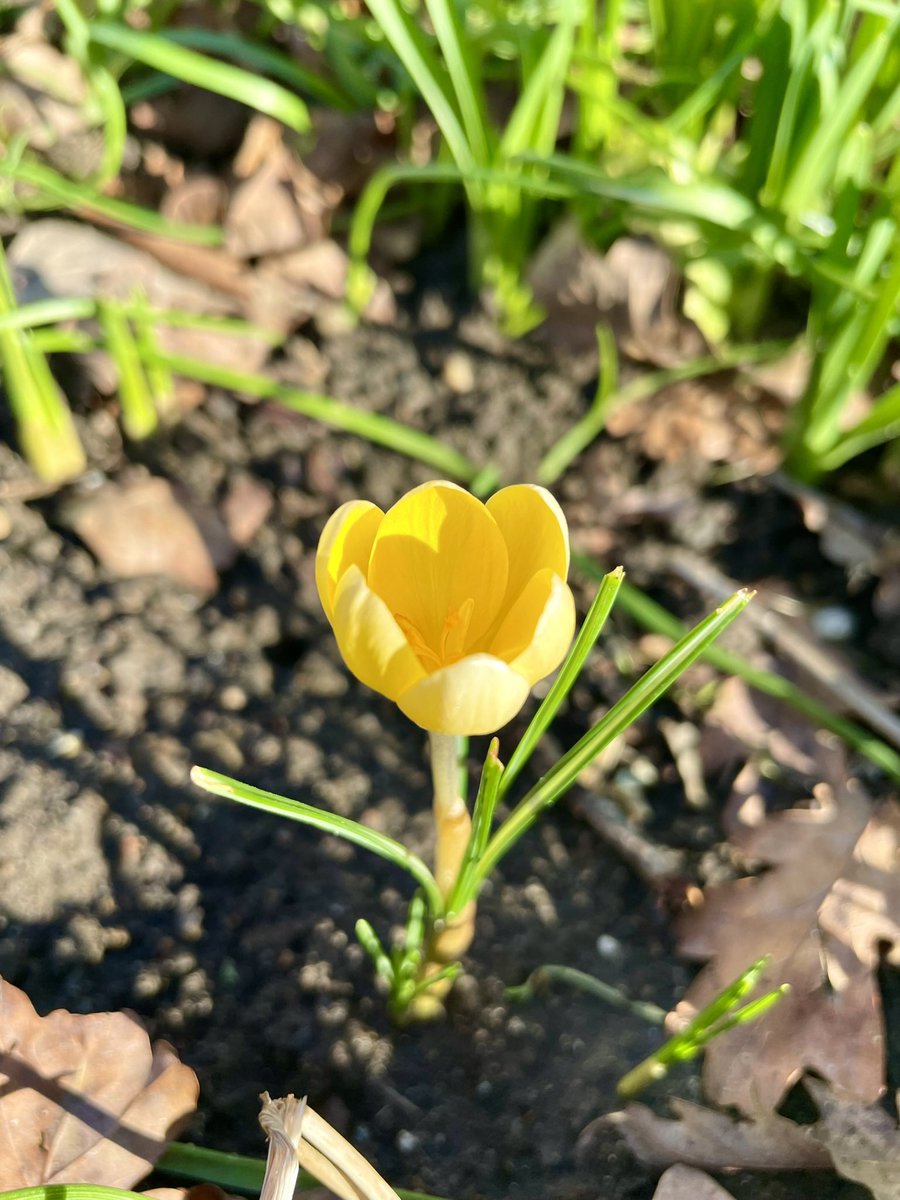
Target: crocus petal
x: 370, y: 640
x: 476, y: 695
x: 553, y: 630
x: 346, y: 539
x: 535, y: 532
x: 435, y: 550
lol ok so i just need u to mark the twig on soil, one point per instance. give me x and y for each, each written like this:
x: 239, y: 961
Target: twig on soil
x: 657, y: 619
x: 810, y: 655
x: 660, y: 867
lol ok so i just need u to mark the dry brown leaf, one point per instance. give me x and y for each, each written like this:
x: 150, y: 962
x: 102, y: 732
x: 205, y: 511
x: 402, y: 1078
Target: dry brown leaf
x: 628, y: 288
x: 142, y: 528
x: 43, y: 95
x: 687, y: 1183
x: 713, y: 1140
x: 863, y: 1140
x: 830, y: 898
x: 84, y: 1098
x: 706, y: 421
x: 279, y: 205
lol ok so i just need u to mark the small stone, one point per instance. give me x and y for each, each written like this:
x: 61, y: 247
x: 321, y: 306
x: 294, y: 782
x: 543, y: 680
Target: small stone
x: 233, y: 698
x: 459, y: 373
x: 833, y: 623
x: 608, y: 946
x: 407, y: 1143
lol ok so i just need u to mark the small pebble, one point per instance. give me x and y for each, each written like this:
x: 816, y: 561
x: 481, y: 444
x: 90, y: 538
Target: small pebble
x: 233, y: 698
x: 834, y: 623
x: 608, y: 946
x: 407, y: 1142
x: 459, y: 373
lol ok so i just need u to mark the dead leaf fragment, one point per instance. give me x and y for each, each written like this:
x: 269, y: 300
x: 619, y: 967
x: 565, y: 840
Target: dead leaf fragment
x: 830, y: 899
x: 705, y: 1138
x: 687, y: 1183
x: 85, y: 1098
x: 628, y: 288
x: 141, y: 528
x: 863, y: 1140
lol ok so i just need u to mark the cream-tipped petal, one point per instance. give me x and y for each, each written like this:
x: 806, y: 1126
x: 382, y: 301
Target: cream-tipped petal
x: 476, y: 695
x: 346, y: 540
x: 370, y: 640
x: 438, y: 561
x: 535, y: 531
x: 553, y: 635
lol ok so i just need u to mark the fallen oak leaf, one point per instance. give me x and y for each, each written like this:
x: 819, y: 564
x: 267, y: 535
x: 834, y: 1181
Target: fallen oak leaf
x: 84, y: 1098
x: 687, y: 1183
x: 863, y: 1140
x: 705, y: 1138
x: 831, y: 897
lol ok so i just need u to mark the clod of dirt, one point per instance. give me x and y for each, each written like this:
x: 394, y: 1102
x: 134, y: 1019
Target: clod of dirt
x: 85, y: 1098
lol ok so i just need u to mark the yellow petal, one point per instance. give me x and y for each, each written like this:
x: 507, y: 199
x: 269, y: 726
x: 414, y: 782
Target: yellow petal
x: 370, y: 640
x: 476, y: 695
x: 346, y: 539
x: 437, y: 549
x: 535, y: 532
x: 538, y: 630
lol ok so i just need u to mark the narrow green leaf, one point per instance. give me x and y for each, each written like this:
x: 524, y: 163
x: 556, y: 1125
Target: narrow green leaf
x: 325, y: 822
x: 428, y: 75
x: 372, y: 426
x: 624, y: 713
x: 82, y: 198
x: 654, y: 617
x: 465, y: 78
x: 591, y: 629
x: 163, y: 54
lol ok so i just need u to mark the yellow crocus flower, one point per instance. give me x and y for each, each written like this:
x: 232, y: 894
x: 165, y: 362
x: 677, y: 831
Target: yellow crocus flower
x: 452, y: 608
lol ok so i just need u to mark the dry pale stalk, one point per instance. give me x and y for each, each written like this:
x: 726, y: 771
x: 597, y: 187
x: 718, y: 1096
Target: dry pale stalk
x: 298, y: 1136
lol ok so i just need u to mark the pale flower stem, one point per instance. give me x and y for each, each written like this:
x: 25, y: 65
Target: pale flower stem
x: 452, y: 825
x: 452, y: 822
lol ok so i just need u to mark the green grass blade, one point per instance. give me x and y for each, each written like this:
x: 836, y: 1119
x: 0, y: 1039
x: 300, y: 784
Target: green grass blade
x: 534, y: 123
x: 482, y: 823
x: 325, y: 822
x: 814, y: 165
x: 372, y: 426
x: 47, y: 433
x: 465, y: 77
x: 154, y: 50
x: 412, y: 49
x: 261, y: 58
x: 139, y: 417
x: 624, y: 713
x: 71, y: 1191
x: 233, y: 1172
x: 881, y: 425
x: 48, y: 312
x: 81, y: 198
x: 590, y: 630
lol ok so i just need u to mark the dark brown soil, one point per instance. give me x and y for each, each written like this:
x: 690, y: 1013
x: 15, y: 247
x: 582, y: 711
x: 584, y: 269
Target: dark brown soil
x: 230, y: 932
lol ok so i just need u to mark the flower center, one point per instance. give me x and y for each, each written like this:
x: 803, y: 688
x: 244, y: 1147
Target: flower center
x: 451, y: 645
